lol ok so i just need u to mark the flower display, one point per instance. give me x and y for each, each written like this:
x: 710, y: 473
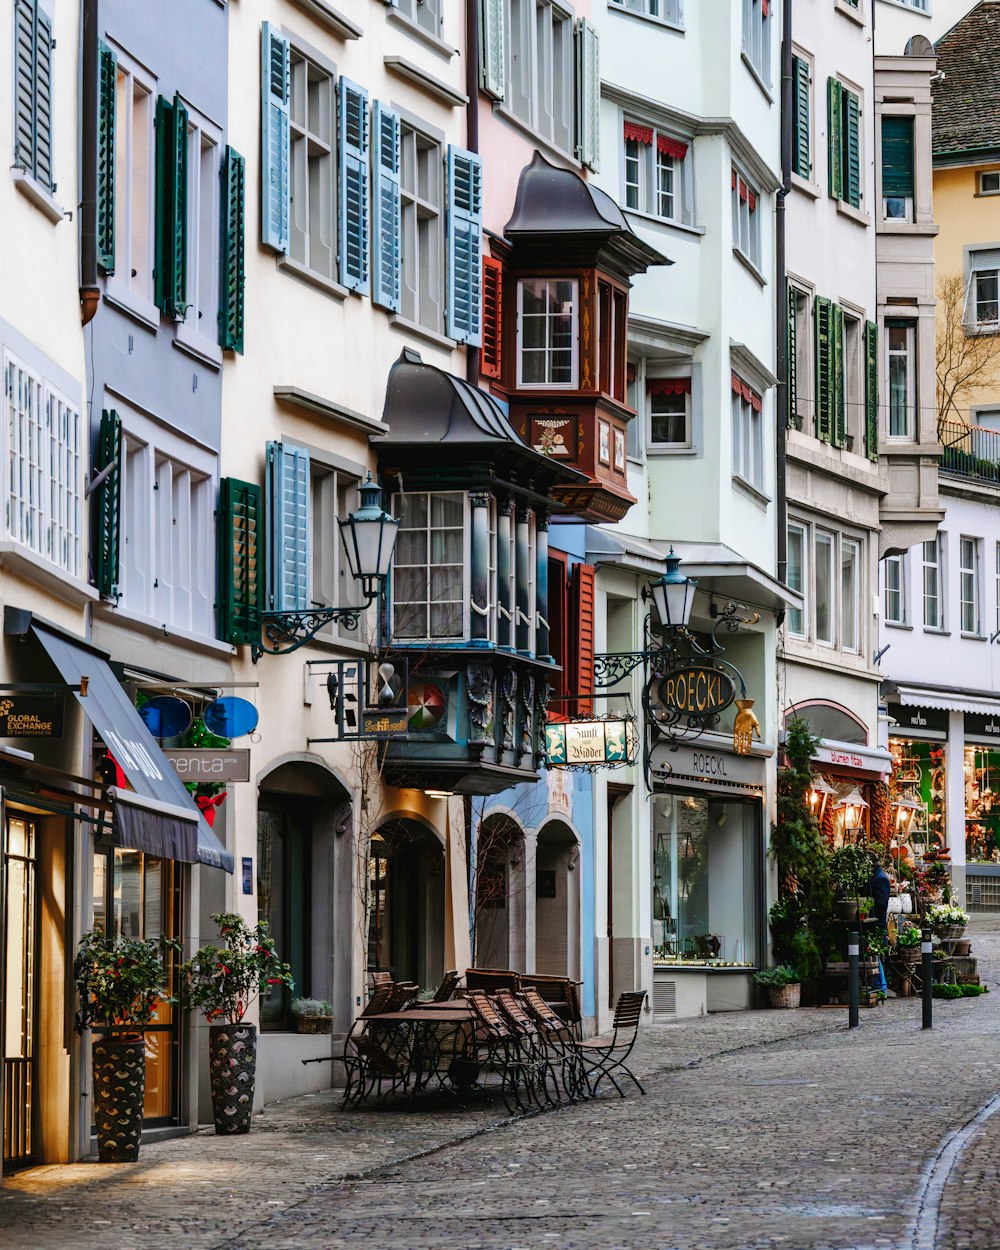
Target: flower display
x: 224, y: 980
x: 946, y: 913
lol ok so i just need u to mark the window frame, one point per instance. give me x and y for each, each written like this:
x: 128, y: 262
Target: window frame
x: 673, y: 19
x: 750, y: 219
x: 756, y: 42
x: 987, y: 173
x: 826, y: 538
x: 647, y: 162
x: 899, y: 563
x: 969, y: 586
x: 548, y: 383
x: 330, y: 575
x: 412, y: 10
x: 974, y: 271
x: 852, y: 546
x: 749, y: 444
x: 909, y: 354
x: 301, y: 54
x: 197, y: 332
x: 419, y: 303
x: 853, y: 381
x: 804, y: 572
x: 678, y: 445
x: 908, y: 201
x: 399, y: 503
x: 540, y: 76
x: 938, y: 624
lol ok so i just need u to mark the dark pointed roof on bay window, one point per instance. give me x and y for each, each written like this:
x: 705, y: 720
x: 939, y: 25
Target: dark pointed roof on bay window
x: 440, y: 423
x: 557, y: 202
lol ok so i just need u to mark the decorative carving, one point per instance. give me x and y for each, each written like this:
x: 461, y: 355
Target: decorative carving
x: 342, y: 818
x: 508, y: 695
x: 585, y: 381
x: 745, y: 727
x: 480, y: 692
x: 526, y: 701
x: 543, y: 688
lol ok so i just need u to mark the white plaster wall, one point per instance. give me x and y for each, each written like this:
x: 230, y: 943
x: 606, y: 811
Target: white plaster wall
x: 896, y: 21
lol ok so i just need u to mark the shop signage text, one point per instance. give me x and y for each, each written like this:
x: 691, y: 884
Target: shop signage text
x: 696, y: 691
x: 208, y: 764
x: 34, y: 716
x: 988, y: 726
x: 722, y: 768
x: 591, y: 742
x: 846, y: 757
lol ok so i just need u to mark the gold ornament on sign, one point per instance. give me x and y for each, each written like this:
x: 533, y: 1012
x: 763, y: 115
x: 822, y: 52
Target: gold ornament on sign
x: 745, y: 726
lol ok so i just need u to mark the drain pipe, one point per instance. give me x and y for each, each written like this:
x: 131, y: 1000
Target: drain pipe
x: 472, y: 131
x: 785, y: 401
x: 90, y: 292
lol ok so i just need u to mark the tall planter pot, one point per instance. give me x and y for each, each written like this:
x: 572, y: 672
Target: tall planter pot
x: 233, y: 1062
x: 119, y: 1068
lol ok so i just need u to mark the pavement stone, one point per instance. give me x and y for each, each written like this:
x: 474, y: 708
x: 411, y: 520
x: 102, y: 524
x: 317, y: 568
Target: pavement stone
x: 759, y: 1129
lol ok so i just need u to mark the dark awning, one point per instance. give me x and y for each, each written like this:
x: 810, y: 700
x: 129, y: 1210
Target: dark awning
x: 160, y: 817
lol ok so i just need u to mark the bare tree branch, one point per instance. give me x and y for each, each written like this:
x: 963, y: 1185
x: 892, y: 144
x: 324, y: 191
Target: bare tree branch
x: 964, y: 362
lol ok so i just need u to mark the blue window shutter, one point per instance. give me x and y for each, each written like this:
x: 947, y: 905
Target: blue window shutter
x: 275, y: 90
x: 353, y: 122
x: 289, y: 529
x: 493, y: 47
x: 465, y: 246
x: 588, y: 95
x: 385, y: 201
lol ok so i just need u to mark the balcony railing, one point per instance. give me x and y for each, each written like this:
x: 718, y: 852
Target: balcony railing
x: 971, y: 451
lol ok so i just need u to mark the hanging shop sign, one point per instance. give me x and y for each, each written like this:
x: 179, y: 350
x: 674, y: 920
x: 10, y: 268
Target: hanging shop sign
x: 371, y: 700
x: 206, y: 764
x: 230, y: 717
x: 697, y: 690
x: 31, y: 716
x: 166, y: 716
x: 922, y: 719
x: 982, y: 726
x: 592, y: 742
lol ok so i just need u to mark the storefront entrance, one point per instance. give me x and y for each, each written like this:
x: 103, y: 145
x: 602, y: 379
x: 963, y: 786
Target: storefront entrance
x: 20, y: 986
x: 406, y: 911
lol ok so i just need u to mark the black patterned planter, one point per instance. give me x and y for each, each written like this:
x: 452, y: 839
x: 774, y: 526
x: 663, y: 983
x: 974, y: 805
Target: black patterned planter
x: 232, y: 1052
x: 119, y: 1068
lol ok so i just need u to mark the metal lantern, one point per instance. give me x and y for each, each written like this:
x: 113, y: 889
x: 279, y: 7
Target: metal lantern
x: 906, y: 810
x: 852, y: 805
x: 369, y: 535
x: 819, y: 795
x: 673, y: 595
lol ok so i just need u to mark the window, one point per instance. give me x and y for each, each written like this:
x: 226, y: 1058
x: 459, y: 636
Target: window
x: 844, y: 142
x: 757, y: 38
x: 800, y: 355
x: 422, y: 229
x: 895, y: 589
x: 312, y: 219
x: 897, y: 168
x: 797, y: 576
x: 665, y: 10
x: 540, y: 69
x: 825, y: 589
x: 850, y: 597
x: 284, y: 875
x: 746, y: 223
x: 989, y: 182
x: 334, y: 495
x: 968, y: 585
x: 669, y: 412
x: 900, y: 343
x: 655, y: 173
x: 546, y: 332
x: 428, y: 597
x: 33, y: 92
x: 854, y: 382
x: 44, y: 468
x: 983, y: 291
x: 633, y: 398
x: 200, y: 325
x: 612, y: 311
x: 748, y: 434
x: 424, y: 13
x: 997, y: 585
x: 933, y: 605
x: 801, y: 118
x: 134, y: 157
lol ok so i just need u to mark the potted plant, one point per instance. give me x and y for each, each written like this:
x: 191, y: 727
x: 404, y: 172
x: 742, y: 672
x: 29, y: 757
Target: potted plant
x: 224, y: 981
x: 865, y: 907
x: 121, y: 983
x: 948, y: 921
x: 908, y: 945
x: 782, y: 985
x: 312, y: 1015
x: 850, y: 872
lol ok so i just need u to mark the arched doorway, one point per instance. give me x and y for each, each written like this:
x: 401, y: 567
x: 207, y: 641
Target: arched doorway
x: 557, y: 901
x: 500, y: 887
x: 406, y: 903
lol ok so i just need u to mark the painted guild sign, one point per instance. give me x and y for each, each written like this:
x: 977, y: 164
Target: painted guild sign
x: 696, y: 691
x: 35, y: 716
x: 591, y: 742
x: 209, y: 764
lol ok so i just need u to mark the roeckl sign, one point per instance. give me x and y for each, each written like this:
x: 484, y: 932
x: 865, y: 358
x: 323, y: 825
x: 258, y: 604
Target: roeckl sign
x: 696, y: 691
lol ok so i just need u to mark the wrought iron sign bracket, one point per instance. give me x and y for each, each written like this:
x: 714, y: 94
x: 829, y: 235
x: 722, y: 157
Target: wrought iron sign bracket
x: 285, y: 632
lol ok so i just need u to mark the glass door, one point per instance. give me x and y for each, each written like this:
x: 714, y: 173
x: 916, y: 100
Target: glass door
x: 20, y: 971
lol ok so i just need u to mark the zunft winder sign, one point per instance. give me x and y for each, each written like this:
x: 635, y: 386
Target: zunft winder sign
x: 696, y: 691
x: 591, y: 743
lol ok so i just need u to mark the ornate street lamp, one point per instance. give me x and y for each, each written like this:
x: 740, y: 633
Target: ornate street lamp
x: 673, y: 595
x: 369, y: 536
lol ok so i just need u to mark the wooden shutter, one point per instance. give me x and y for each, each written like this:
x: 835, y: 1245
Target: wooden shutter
x: 492, y: 47
x: 897, y: 156
x: 465, y: 246
x: 871, y: 390
x: 801, y: 163
x: 231, y: 269
x: 588, y: 94
x: 386, y: 207
x: 43, y: 100
x: 240, y: 532
x: 353, y: 121
x: 275, y: 88
x: 791, y: 369
x: 33, y: 92
x: 837, y: 387
x: 852, y: 149
x: 491, y: 355
x: 823, y: 314
x: 834, y: 140
x: 580, y: 679
x: 170, y: 272
x: 289, y: 528
x: 110, y: 453
x: 107, y: 93
x: 560, y: 642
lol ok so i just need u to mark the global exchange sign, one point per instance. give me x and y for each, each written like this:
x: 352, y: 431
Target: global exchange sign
x: 696, y: 691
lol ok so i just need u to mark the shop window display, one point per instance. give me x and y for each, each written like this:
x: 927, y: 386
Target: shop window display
x: 982, y: 805
x: 918, y: 773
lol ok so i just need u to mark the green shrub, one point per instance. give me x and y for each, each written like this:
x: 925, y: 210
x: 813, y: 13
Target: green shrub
x: 311, y: 1007
x: 972, y: 991
x: 946, y: 991
x: 851, y: 870
x: 776, y: 977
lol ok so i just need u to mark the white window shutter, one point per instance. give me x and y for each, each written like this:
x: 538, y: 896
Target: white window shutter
x: 588, y: 95
x: 353, y: 125
x: 465, y: 246
x: 289, y: 528
x: 386, y: 209
x: 275, y: 155
x: 492, y: 47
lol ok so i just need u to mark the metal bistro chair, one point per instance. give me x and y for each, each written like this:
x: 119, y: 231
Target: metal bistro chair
x: 500, y: 1042
x: 449, y: 983
x: 559, y: 1040
x: 364, y: 1060
x: 606, y: 1057
x: 534, y: 1055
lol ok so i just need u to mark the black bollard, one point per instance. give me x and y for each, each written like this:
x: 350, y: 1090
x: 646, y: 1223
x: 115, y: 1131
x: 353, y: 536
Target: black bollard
x: 853, y: 979
x: 927, y: 972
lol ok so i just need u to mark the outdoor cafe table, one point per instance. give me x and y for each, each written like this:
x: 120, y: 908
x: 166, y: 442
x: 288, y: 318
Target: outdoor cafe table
x: 437, y: 1036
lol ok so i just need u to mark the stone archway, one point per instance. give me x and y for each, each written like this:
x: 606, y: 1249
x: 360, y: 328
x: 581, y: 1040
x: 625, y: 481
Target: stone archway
x: 406, y: 902
x: 557, y: 901
x: 501, y: 894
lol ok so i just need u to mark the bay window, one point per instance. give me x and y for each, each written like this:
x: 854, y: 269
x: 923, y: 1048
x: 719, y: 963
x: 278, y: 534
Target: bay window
x: 428, y: 596
x: 547, y: 340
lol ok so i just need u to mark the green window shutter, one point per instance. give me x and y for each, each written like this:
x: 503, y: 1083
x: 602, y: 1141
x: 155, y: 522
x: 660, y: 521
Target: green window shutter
x: 110, y: 452
x: 852, y: 149
x: 240, y: 534
x: 588, y: 94
x: 353, y: 123
x: 107, y: 80
x: 897, y: 156
x: 791, y: 363
x: 231, y: 269
x: 837, y: 386
x: 275, y: 82
x: 834, y: 141
x: 492, y: 47
x: 823, y: 316
x: 801, y: 148
x: 288, y: 549
x: 871, y: 390
x: 465, y: 247
x: 170, y: 272
x: 386, y: 207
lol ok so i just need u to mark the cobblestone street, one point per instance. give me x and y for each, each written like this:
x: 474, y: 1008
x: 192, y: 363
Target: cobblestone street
x: 758, y: 1129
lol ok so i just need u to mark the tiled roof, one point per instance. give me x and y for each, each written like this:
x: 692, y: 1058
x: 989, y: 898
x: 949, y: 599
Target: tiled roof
x: 967, y: 95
